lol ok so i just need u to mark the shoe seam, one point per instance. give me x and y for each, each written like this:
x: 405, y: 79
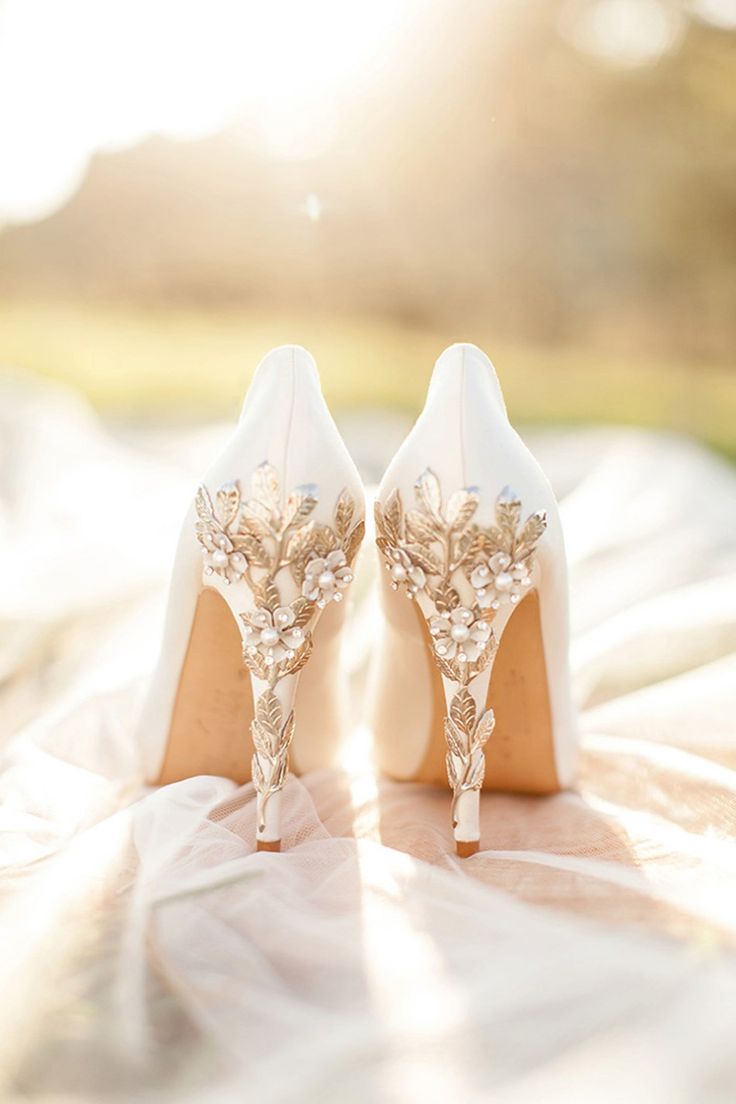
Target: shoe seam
x: 287, y: 439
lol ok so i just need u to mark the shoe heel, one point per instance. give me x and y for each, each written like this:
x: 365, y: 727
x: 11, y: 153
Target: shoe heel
x: 272, y: 730
x: 266, y: 548
x: 475, y: 687
x: 466, y: 581
x: 468, y: 727
x: 292, y: 568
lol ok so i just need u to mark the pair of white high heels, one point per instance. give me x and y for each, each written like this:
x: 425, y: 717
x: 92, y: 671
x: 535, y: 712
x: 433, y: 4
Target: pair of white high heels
x: 471, y: 679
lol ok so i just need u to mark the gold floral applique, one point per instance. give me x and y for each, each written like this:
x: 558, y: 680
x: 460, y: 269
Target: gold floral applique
x: 259, y: 541
x: 430, y: 552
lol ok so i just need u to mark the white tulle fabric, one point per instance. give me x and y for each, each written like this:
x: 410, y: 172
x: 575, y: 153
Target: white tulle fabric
x: 586, y: 954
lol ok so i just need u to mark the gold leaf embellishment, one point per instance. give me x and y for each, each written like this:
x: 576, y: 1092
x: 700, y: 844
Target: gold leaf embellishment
x: 434, y: 554
x: 257, y: 541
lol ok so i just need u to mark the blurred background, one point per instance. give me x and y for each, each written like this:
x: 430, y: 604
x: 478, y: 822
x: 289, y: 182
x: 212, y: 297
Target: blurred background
x: 185, y: 184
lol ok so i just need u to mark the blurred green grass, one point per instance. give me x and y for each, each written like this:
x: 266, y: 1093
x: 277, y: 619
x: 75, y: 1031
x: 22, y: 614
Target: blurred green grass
x: 179, y: 363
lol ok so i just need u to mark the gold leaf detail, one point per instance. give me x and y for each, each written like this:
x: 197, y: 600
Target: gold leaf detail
x: 534, y: 527
x: 486, y: 725
x: 299, y: 544
x: 447, y: 669
x: 303, y: 610
x: 508, y: 515
x: 324, y: 540
x: 203, y: 505
x: 268, y: 709
x: 454, y: 738
x: 292, y: 665
x: 462, y: 711
x: 461, y: 547
x: 253, y: 549
x: 461, y: 507
x: 428, y: 494
x: 266, y: 593
x: 420, y: 528
x: 423, y: 558
x: 228, y: 503
x: 265, y: 487
x: 354, y: 541
x: 256, y: 664
x: 261, y: 736
x: 466, y: 739
x: 445, y: 597
x: 288, y: 732
x: 393, y: 517
x: 259, y: 780
x: 253, y: 523
x: 476, y: 774
x: 299, y: 506
x: 343, y: 515
x: 270, y: 762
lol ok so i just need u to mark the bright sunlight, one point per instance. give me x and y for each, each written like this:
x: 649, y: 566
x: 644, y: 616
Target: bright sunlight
x: 284, y: 70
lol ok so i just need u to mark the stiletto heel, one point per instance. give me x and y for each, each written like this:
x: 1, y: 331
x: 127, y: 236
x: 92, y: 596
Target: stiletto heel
x: 490, y: 589
x: 256, y: 590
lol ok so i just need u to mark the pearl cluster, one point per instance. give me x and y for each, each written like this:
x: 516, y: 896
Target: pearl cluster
x: 404, y: 572
x: 221, y: 558
x: 325, y: 577
x: 274, y: 635
x: 499, y: 581
x: 460, y: 635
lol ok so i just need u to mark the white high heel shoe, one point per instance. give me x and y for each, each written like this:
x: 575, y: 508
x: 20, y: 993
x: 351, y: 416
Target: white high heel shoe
x: 252, y: 633
x: 472, y: 676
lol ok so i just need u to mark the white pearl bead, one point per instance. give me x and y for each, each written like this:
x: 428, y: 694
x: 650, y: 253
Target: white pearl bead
x: 459, y: 633
x: 269, y: 636
x: 326, y: 580
x: 503, y: 580
x: 398, y: 573
x: 219, y: 558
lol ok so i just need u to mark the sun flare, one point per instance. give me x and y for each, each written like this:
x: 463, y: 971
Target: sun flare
x: 82, y: 76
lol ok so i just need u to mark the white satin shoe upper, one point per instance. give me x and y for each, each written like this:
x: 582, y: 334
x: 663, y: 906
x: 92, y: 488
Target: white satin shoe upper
x: 285, y: 426
x: 463, y: 436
